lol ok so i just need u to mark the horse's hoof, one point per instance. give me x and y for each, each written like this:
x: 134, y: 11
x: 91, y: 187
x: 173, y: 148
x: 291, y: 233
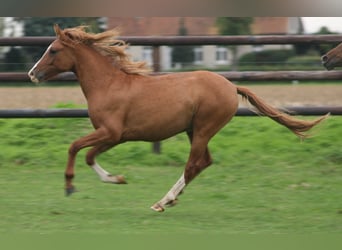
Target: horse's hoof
x: 70, y: 190
x: 121, y: 179
x: 115, y: 179
x: 157, y: 208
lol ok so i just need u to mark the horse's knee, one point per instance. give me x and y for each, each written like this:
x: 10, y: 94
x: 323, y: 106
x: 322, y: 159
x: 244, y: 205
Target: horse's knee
x: 73, y: 149
x: 90, y: 158
x: 69, y: 176
x: 93, y: 152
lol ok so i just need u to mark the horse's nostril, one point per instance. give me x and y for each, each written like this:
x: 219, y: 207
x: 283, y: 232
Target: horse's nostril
x: 324, y: 58
x: 31, y: 72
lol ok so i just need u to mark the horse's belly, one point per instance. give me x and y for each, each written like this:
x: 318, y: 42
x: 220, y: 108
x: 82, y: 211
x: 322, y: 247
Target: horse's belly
x: 158, y: 124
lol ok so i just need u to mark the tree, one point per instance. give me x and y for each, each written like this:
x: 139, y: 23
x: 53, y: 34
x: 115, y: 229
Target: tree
x: 1, y: 35
x: 321, y: 49
x: 324, y: 48
x: 12, y: 57
x: 234, y: 26
x: 2, y: 26
x: 182, y: 54
x: 14, y: 60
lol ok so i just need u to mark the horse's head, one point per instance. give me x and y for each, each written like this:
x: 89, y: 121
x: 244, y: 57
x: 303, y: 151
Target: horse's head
x: 56, y: 59
x: 333, y: 58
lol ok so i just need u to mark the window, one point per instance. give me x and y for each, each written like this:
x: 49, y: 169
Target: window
x: 198, y: 55
x: 147, y: 55
x: 258, y: 48
x: 221, y: 55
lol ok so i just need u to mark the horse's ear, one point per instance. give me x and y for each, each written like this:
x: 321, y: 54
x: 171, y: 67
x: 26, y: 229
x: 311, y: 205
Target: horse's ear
x: 57, y: 29
x: 63, y: 35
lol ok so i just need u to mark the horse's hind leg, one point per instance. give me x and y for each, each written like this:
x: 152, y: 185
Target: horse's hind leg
x: 103, y: 174
x: 199, y: 159
x: 171, y: 196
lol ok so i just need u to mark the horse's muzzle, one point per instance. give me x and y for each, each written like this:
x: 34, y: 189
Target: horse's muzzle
x: 35, y: 77
x: 327, y: 63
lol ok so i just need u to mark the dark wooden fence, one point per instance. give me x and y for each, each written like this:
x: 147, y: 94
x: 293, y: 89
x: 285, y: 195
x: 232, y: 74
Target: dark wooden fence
x: 83, y: 113
x: 191, y: 40
x: 252, y: 76
x: 157, y: 41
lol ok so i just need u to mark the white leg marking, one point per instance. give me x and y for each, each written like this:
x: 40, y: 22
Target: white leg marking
x: 107, y: 177
x: 103, y: 174
x: 171, y: 195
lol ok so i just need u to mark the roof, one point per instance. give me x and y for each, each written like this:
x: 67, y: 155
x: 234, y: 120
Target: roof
x: 163, y: 26
x: 169, y: 26
x: 270, y: 25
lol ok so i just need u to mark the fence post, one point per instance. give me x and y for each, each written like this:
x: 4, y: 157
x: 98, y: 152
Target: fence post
x: 156, y: 148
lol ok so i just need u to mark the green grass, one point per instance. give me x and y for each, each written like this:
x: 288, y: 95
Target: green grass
x: 263, y: 180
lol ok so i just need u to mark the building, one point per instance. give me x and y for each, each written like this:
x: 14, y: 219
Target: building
x: 276, y: 26
x: 204, y: 56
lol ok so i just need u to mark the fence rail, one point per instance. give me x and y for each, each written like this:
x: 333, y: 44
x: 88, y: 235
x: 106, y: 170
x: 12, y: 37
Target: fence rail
x: 157, y: 41
x: 231, y: 75
x: 83, y: 113
x: 190, y: 40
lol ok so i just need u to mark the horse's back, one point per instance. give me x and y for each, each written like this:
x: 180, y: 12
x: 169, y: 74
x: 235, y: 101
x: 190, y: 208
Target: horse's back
x: 214, y: 91
x: 201, y: 88
x: 202, y: 84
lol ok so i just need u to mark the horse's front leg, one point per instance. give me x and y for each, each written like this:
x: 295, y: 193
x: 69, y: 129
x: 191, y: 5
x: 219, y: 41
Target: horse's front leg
x: 93, y: 139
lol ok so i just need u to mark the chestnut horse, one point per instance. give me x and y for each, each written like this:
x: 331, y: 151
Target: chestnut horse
x: 333, y: 58
x: 125, y: 103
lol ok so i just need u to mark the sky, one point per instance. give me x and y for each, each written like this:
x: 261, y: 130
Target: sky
x: 313, y: 24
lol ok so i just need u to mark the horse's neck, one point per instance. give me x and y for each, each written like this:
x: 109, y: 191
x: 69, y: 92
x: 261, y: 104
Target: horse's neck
x: 94, y: 72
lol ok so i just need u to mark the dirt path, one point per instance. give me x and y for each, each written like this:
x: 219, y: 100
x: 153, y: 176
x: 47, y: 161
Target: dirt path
x: 278, y: 95
x: 39, y: 97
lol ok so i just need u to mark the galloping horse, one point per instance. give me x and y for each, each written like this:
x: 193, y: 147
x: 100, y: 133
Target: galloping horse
x: 125, y: 103
x: 333, y: 58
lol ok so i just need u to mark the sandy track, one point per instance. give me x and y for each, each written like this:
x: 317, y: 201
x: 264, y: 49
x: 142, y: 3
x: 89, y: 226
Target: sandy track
x: 39, y: 97
x: 278, y: 95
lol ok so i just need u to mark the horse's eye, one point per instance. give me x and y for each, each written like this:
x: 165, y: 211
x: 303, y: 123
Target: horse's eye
x: 52, y: 51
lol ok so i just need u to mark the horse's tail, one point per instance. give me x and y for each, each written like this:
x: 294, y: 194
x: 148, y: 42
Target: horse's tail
x: 298, y: 127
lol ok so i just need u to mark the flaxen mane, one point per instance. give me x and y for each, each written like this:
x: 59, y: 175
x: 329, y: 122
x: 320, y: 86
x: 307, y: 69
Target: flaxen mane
x: 106, y: 44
